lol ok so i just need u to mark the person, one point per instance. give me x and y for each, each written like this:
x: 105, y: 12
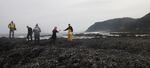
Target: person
x: 70, y: 33
x: 29, y: 35
x: 54, y: 35
x: 36, y: 32
x: 12, y: 28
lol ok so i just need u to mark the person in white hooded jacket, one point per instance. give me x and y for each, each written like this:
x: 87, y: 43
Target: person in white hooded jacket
x: 37, y: 32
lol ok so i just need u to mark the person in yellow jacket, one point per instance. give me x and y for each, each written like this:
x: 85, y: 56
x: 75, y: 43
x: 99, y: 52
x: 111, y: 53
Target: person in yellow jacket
x: 12, y: 28
x: 70, y: 33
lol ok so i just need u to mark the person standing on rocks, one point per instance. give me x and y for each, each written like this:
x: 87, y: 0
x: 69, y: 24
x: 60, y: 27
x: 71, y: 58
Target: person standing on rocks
x: 12, y: 28
x: 70, y: 33
x: 37, y: 32
x: 29, y: 35
x: 54, y: 35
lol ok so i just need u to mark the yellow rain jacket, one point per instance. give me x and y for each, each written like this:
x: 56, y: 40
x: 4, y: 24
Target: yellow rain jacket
x: 12, y: 26
x: 69, y: 35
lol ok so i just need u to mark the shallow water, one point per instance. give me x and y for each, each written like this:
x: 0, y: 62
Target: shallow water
x: 62, y: 35
x: 59, y: 35
x: 48, y: 36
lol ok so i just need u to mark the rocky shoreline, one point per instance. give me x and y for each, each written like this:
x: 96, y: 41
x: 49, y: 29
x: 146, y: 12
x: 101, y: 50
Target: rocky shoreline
x: 111, y: 52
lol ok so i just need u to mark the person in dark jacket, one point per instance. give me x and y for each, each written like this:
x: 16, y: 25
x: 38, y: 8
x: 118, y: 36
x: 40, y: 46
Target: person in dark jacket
x: 54, y: 35
x: 30, y: 32
x: 69, y: 28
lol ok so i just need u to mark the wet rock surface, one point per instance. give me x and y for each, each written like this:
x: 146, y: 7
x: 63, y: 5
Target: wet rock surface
x: 84, y: 53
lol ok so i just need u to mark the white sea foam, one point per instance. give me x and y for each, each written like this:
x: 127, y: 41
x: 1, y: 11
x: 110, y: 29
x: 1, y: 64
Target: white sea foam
x: 101, y: 32
x: 62, y: 35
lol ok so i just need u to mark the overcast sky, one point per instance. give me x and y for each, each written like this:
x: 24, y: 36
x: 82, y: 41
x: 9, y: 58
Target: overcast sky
x: 79, y: 13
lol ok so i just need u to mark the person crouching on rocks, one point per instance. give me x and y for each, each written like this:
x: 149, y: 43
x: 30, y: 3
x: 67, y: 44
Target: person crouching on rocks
x: 36, y: 32
x: 70, y: 33
x: 12, y: 28
x: 29, y: 35
x: 54, y: 35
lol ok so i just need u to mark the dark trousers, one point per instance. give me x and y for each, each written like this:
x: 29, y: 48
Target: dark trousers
x: 36, y: 39
x: 53, y: 41
x: 11, y: 33
x: 29, y: 36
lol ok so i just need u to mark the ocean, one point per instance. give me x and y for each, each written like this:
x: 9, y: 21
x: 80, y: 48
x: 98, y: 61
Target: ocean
x: 60, y: 35
x: 83, y: 35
